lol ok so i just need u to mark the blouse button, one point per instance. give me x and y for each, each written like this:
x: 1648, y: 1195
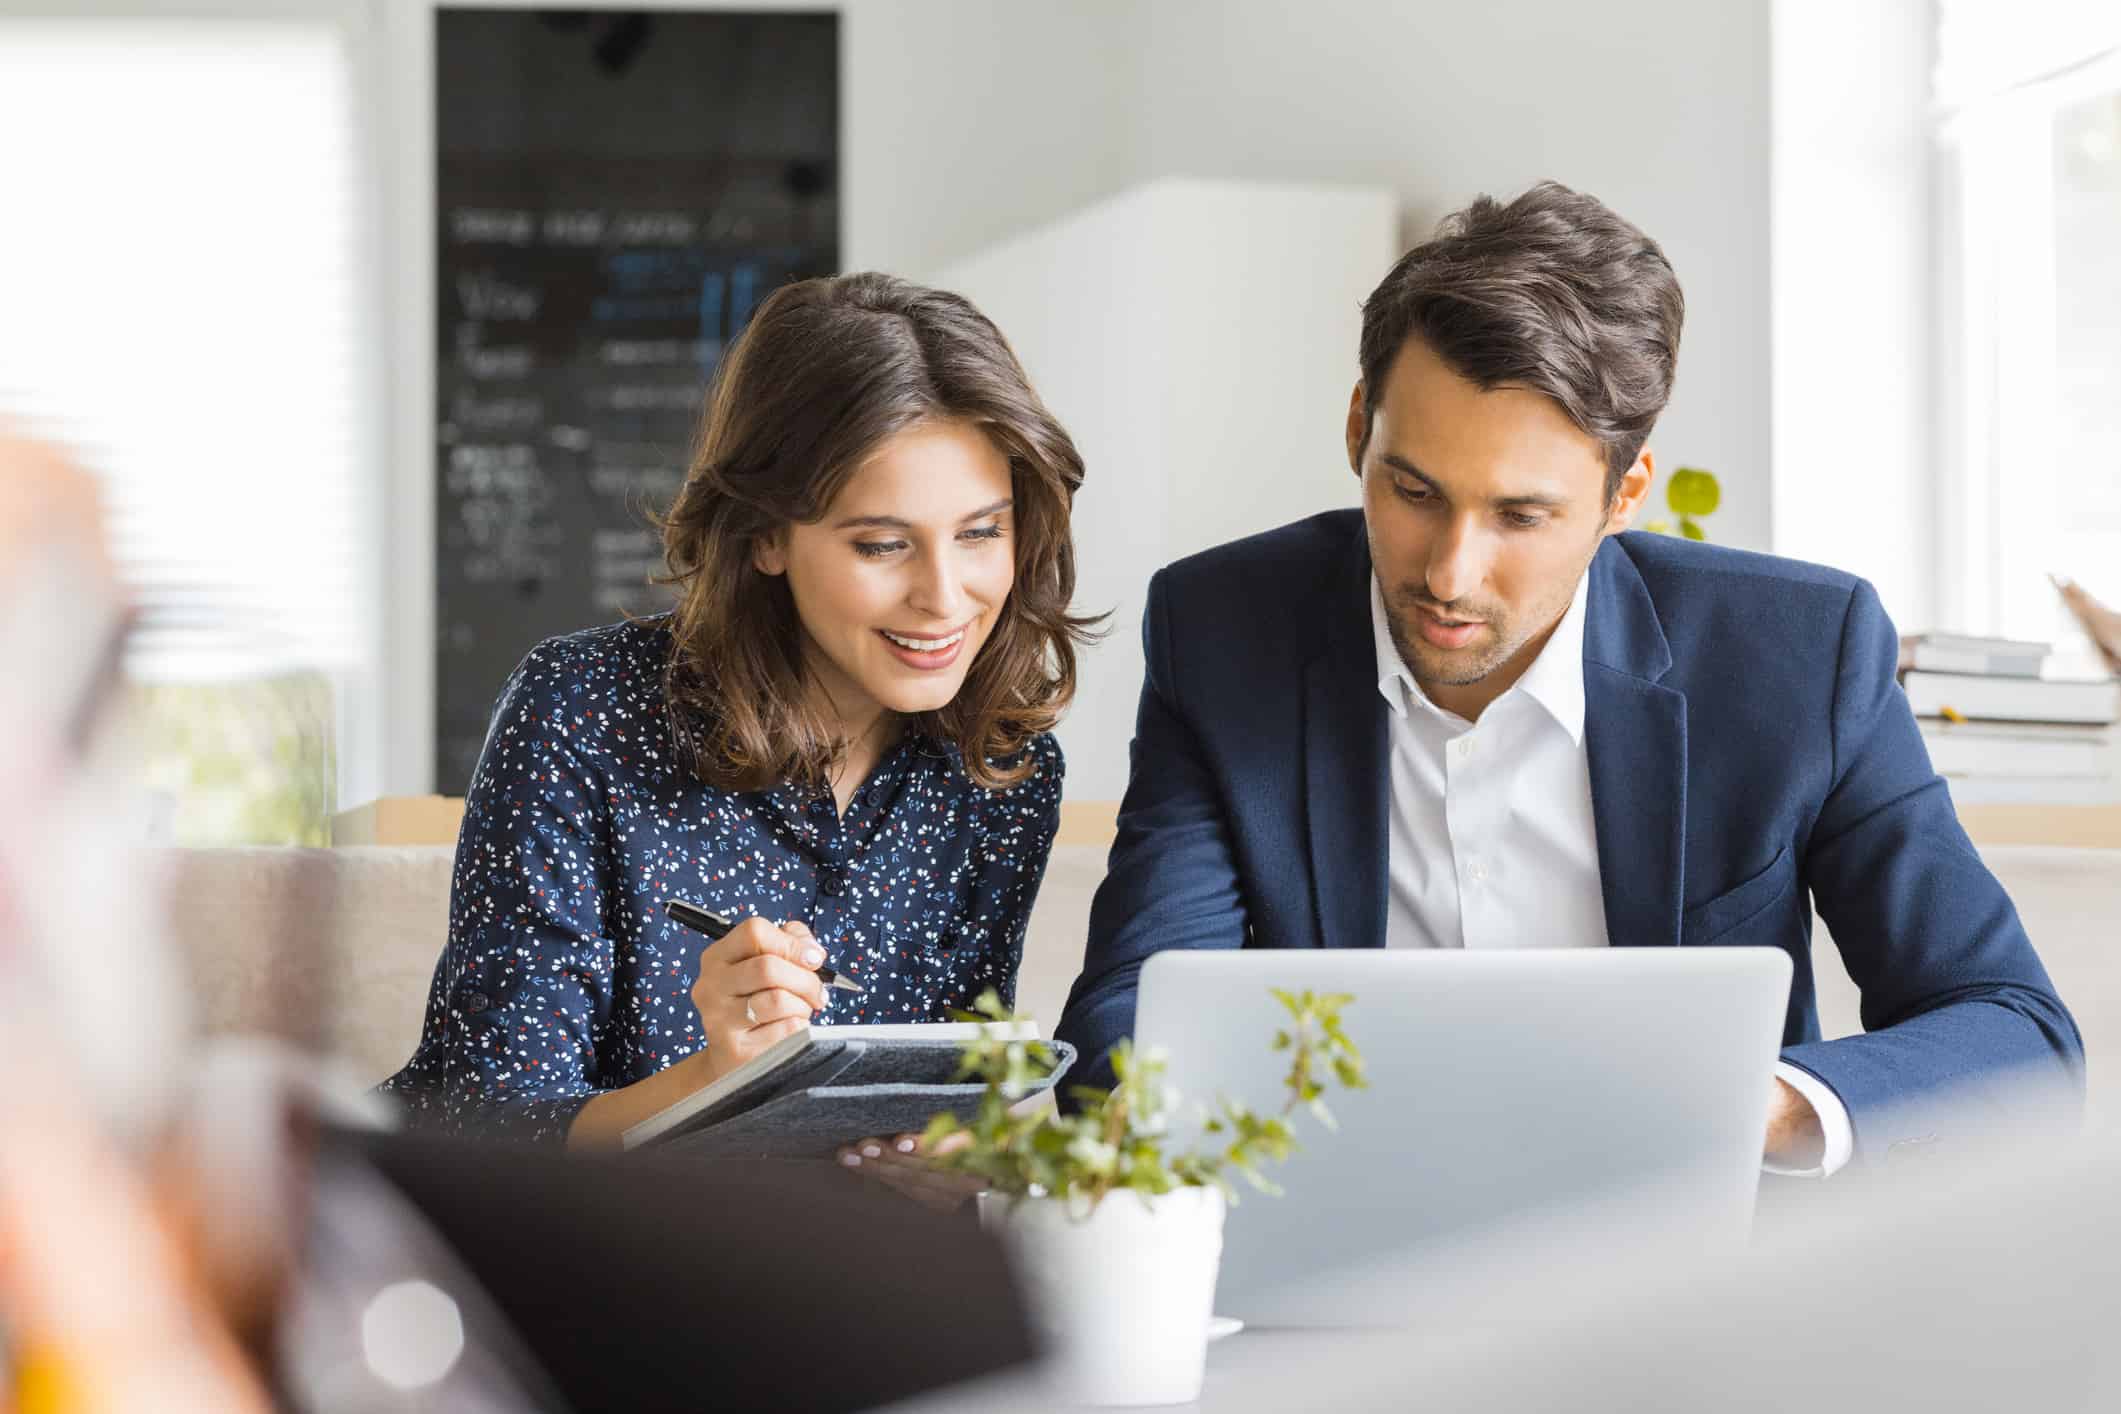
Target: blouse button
x: 831, y: 883
x: 475, y: 1002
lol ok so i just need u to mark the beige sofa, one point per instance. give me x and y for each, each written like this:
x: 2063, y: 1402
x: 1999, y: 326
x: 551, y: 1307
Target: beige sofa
x: 336, y: 946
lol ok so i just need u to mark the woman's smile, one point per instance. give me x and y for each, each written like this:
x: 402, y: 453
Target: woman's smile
x: 928, y: 654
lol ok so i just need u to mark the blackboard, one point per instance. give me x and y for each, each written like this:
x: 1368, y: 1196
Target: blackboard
x: 615, y: 192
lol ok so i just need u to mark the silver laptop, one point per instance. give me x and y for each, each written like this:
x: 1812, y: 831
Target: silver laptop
x: 1502, y: 1085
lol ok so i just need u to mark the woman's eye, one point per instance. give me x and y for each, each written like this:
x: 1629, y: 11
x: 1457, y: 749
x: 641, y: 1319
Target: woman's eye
x: 877, y: 549
x: 985, y: 532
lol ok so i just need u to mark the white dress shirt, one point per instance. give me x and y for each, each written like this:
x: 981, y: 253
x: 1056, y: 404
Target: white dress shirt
x: 1493, y: 841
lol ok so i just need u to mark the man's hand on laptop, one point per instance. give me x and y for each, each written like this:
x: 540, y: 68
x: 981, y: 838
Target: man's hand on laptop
x: 1794, y: 1136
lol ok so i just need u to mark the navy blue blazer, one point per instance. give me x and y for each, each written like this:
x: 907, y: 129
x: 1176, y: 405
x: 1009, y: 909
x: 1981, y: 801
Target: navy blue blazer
x: 1750, y: 752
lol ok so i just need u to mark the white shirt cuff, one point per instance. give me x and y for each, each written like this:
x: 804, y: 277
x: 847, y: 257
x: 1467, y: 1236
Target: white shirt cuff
x: 1833, y: 1121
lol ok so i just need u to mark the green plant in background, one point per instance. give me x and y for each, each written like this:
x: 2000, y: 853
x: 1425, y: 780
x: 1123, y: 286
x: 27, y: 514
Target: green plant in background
x: 1692, y: 494
x: 1117, y: 1140
x: 245, y: 761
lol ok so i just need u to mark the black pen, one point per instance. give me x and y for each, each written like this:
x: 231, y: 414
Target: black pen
x: 715, y: 928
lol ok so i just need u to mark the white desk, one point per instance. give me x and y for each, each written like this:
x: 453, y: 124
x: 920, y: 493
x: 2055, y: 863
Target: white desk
x: 1254, y: 1370
x: 1990, y: 1287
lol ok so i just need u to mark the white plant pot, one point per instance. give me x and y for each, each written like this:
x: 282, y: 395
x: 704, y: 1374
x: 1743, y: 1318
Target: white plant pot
x: 1121, y: 1295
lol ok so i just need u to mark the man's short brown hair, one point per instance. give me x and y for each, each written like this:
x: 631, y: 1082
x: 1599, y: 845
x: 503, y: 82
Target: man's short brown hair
x: 1553, y: 292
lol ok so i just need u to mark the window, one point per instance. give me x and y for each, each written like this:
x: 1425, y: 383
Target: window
x: 181, y: 274
x: 2087, y: 174
x: 2029, y: 126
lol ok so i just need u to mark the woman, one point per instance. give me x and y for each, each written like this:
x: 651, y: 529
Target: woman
x: 841, y: 734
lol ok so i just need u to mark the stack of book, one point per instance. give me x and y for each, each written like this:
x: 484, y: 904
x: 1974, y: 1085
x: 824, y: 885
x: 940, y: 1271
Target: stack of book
x: 2003, y: 726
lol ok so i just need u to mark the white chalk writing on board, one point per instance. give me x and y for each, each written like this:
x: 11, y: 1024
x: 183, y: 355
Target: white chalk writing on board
x: 654, y: 228
x: 638, y: 353
x: 470, y: 412
x: 488, y: 296
x: 485, y: 225
x: 651, y: 397
x: 574, y: 228
x: 481, y: 361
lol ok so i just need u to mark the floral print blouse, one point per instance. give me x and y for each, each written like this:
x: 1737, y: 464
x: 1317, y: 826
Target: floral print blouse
x: 562, y: 977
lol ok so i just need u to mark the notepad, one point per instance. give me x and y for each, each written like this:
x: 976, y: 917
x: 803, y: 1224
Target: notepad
x: 821, y: 1088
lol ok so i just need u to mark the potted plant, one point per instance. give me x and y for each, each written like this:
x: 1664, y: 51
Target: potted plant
x: 1117, y: 1232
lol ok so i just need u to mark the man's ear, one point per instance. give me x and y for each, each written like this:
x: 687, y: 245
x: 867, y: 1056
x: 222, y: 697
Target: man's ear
x: 769, y: 553
x: 1358, y: 429
x: 1634, y: 490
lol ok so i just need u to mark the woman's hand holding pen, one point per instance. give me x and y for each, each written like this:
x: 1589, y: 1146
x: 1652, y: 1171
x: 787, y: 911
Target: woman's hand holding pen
x: 757, y: 985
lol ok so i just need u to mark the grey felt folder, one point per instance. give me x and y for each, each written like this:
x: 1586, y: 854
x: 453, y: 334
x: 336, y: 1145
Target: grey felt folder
x: 820, y: 1089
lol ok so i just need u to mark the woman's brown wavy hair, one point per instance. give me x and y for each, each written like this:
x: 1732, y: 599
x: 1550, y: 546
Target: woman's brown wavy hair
x: 824, y: 372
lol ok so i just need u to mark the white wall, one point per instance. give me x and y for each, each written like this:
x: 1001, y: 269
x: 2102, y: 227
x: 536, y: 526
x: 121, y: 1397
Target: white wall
x: 1855, y: 484
x: 965, y: 122
x: 1657, y: 107
x: 1194, y: 337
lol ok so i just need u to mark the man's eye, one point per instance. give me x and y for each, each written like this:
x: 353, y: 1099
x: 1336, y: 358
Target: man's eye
x: 1521, y: 520
x: 1416, y: 494
x: 877, y: 549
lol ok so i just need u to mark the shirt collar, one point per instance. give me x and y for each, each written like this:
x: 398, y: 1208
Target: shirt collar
x: 1394, y: 683
x: 1554, y: 680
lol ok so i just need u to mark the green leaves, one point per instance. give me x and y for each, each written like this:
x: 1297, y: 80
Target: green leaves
x: 1317, y: 1042
x: 1117, y: 1140
x: 1691, y: 493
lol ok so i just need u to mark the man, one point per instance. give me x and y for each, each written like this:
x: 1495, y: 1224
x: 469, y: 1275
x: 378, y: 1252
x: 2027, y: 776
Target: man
x: 1473, y: 715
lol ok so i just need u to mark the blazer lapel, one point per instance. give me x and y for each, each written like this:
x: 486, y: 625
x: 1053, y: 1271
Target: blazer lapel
x: 1346, y: 775
x: 1635, y: 736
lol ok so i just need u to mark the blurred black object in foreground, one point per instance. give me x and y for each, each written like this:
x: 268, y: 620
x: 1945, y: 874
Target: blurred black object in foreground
x: 651, y: 1283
